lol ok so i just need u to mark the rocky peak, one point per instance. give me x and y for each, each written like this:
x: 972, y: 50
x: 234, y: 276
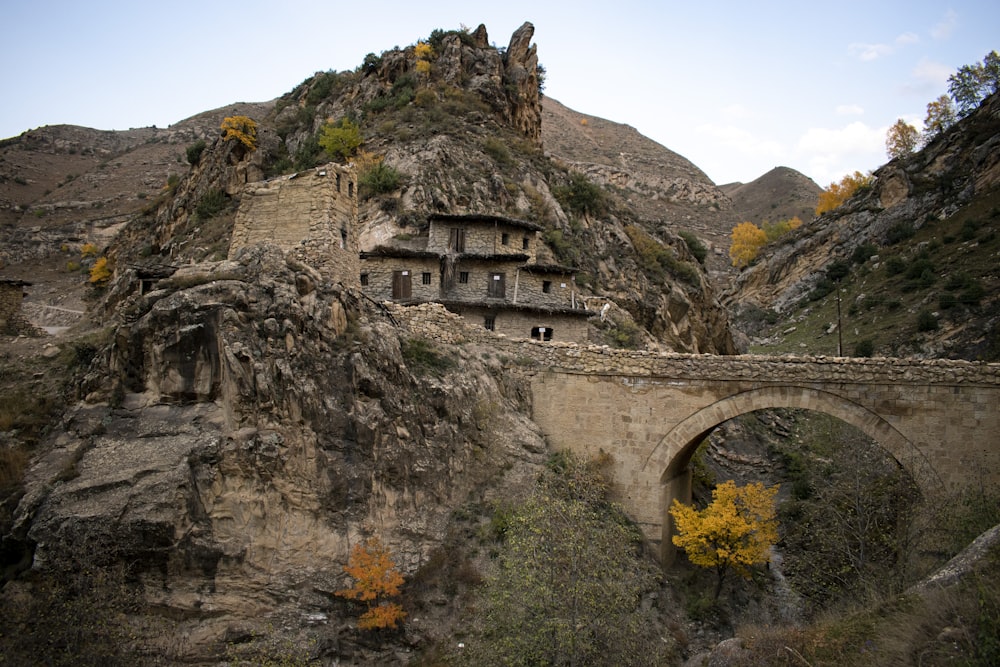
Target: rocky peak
x: 521, y: 78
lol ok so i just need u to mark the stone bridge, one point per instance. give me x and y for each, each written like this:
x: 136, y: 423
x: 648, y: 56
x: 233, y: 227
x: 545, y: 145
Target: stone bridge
x: 649, y: 411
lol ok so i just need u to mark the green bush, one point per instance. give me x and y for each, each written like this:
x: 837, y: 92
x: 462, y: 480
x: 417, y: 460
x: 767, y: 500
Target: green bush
x: 864, y: 348
x: 863, y: 253
x: 497, y: 150
x: 195, y: 150
x: 378, y: 179
x: 926, y: 321
x: 695, y: 245
x: 212, y: 203
x: 838, y: 270
x: 581, y: 196
x: 895, y: 265
x: 899, y: 233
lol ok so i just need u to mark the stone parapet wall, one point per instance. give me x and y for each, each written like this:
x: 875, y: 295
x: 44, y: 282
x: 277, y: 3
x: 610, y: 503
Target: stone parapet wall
x: 434, y: 322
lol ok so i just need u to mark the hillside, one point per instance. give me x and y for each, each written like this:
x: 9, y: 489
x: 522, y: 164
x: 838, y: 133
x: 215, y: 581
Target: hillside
x: 913, y: 256
x: 780, y: 194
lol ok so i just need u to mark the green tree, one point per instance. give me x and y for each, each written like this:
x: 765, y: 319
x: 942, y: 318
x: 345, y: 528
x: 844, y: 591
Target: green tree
x: 971, y: 84
x: 340, y: 140
x: 567, y: 584
x: 735, y: 532
x: 940, y: 116
x: 901, y: 140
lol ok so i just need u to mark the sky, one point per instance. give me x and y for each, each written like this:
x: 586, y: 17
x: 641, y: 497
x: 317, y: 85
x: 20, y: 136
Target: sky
x: 737, y: 88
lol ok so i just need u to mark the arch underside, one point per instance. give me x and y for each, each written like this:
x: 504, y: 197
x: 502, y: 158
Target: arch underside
x: 673, y: 452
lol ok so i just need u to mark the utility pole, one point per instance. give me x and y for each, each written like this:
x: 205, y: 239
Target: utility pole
x: 840, y: 328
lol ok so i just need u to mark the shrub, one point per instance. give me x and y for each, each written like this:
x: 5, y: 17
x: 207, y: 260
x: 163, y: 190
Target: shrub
x: 581, y: 196
x: 895, y: 265
x: 899, y: 233
x: 195, y: 150
x: 695, y: 245
x: 497, y: 150
x: 838, y: 270
x: 864, y: 348
x: 212, y: 203
x: 863, y: 253
x: 378, y: 179
x: 926, y: 321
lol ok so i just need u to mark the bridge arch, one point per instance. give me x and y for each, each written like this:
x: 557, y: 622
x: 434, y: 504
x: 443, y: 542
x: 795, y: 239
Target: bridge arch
x: 671, y: 457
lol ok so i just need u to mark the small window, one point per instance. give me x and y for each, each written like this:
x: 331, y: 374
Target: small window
x: 505, y: 238
x: 541, y: 333
x: 490, y: 322
x: 364, y: 279
x: 338, y: 182
x: 425, y: 278
x: 546, y: 286
x: 463, y: 277
x: 524, y: 243
x: 350, y: 188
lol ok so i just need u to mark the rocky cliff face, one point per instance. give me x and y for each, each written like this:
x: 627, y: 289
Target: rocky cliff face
x: 255, y: 424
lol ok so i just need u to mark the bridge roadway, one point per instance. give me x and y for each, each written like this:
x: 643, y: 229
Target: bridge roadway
x: 649, y: 411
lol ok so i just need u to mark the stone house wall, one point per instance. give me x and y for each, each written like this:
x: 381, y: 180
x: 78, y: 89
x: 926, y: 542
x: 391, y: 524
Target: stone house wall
x: 526, y: 323
x: 482, y: 238
x: 550, y: 289
x: 377, y: 277
x: 311, y: 215
x: 12, y: 319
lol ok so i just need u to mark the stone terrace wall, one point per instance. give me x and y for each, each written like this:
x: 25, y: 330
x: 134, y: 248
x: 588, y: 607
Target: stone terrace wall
x: 311, y: 215
x: 434, y: 322
x: 12, y: 319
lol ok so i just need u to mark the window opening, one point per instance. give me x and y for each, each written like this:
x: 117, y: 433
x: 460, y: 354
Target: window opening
x: 505, y: 238
x: 425, y: 278
x: 546, y: 286
x: 524, y: 243
x: 463, y: 276
x: 490, y: 322
x: 456, y: 239
x: 364, y: 279
x: 541, y: 333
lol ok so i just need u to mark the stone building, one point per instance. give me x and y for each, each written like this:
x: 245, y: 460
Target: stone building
x: 311, y: 215
x: 484, y: 268
x: 12, y: 319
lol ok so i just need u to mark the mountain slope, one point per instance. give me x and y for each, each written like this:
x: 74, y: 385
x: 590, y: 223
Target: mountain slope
x: 780, y: 194
x: 914, y: 257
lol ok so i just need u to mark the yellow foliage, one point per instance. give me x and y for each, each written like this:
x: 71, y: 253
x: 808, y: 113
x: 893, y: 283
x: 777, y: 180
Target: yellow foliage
x: 736, y: 530
x: 423, y: 67
x: 375, y: 577
x: 748, y: 239
x: 100, y: 272
x: 88, y: 250
x: 365, y: 160
x: 424, y: 51
x: 776, y: 230
x: 240, y: 128
x: 838, y: 193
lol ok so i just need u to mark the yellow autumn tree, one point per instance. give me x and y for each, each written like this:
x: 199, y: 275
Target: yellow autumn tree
x: 424, y: 53
x: 240, y: 128
x: 748, y: 239
x: 375, y: 579
x: 100, y: 272
x: 901, y: 139
x: 735, y: 532
x: 838, y: 193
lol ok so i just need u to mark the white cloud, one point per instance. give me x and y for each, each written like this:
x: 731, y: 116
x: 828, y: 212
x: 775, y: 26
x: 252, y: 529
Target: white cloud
x: 907, y: 38
x: 945, y: 26
x: 740, y: 140
x: 850, y: 110
x: 832, y: 153
x: 868, y: 51
x: 928, y: 71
